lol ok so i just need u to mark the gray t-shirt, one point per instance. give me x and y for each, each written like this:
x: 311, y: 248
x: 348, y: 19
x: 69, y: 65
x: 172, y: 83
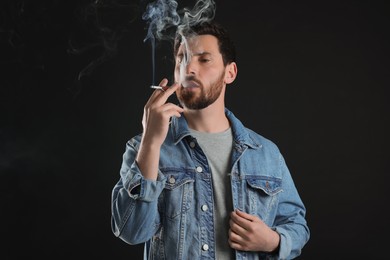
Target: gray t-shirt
x: 217, y: 148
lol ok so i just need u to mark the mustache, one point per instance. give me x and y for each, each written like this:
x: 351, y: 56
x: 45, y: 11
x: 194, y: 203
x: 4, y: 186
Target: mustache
x: 193, y: 78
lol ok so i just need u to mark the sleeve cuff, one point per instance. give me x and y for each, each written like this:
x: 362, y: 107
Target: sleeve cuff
x: 143, y: 189
x: 285, y: 244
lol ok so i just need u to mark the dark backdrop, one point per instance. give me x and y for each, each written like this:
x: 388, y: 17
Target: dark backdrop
x: 313, y: 77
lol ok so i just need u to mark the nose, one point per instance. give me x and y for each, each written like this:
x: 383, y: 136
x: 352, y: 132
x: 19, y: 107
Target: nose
x: 191, y: 66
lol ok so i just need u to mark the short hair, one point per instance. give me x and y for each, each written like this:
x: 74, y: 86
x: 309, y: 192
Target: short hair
x: 226, y: 46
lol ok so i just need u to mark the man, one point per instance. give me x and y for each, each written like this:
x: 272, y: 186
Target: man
x: 197, y: 184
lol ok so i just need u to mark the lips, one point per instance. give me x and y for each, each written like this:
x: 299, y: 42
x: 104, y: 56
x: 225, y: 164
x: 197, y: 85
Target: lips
x: 190, y: 84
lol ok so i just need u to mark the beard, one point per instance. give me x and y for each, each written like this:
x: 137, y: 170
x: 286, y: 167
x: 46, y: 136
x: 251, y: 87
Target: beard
x: 205, y: 98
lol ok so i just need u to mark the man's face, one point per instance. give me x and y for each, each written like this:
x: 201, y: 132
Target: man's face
x: 200, y: 71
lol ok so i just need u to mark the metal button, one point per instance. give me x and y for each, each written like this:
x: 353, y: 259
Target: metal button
x: 205, y: 208
x: 199, y: 169
x: 172, y: 180
x: 192, y: 144
x: 205, y: 247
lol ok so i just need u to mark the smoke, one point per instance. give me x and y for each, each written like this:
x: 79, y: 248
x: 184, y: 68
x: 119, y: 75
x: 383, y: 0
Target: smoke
x: 165, y: 21
x: 99, y: 27
x: 203, y: 11
x: 102, y: 23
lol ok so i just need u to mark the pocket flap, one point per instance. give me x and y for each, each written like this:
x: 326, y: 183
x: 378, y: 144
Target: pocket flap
x: 269, y: 185
x: 175, y: 180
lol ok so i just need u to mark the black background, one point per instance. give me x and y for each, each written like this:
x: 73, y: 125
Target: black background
x: 313, y: 77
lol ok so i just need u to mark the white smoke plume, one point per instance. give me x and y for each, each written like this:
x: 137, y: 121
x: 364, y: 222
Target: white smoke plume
x: 163, y: 18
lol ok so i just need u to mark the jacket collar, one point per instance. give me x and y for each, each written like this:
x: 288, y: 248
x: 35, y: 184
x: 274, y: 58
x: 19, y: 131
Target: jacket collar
x: 241, y: 135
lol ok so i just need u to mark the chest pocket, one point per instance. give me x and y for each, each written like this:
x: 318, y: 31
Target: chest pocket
x: 177, y: 195
x: 262, y: 191
x: 268, y: 185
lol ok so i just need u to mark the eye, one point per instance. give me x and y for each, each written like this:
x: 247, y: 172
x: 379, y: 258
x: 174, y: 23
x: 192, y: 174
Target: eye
x: 205, y: 58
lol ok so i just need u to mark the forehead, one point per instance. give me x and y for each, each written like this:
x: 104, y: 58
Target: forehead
x: 201, y: 44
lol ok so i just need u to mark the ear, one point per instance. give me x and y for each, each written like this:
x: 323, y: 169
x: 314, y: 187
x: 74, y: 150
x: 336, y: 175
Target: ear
x: 230, y: 72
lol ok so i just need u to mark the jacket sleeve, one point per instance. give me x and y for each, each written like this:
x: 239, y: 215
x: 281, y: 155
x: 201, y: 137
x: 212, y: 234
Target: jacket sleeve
x: 134, y: 213
x: 290, y: 220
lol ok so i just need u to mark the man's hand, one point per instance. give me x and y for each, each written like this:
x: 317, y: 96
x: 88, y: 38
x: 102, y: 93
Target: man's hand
x: 155, y: 122
x: 157, y: 112
x: 249, y: 233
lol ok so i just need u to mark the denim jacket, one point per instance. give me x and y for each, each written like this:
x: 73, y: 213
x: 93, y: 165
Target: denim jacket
x: 173, y: 215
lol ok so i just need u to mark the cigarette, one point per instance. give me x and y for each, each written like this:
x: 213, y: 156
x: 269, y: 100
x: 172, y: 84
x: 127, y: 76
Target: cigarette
x: 157, y: 87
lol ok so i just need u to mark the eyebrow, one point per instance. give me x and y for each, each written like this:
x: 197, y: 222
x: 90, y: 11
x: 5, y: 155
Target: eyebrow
x: 181, y: 54
x: 202, y: 53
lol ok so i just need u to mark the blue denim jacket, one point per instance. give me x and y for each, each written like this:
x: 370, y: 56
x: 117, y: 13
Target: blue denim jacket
x: 170, y: 215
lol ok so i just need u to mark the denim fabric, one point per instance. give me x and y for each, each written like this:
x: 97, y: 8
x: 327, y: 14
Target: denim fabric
x: 174, y: 214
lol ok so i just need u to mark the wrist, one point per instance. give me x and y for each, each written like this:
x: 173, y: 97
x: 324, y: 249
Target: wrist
x: 274, y: 242
x: 148, y: 159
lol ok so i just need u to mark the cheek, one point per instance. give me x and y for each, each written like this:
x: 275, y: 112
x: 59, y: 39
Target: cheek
x: 213, y: 76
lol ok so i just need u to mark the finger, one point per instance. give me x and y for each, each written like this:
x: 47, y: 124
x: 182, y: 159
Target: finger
x: 168, y: 110
x: 236, y: 245
x: 159, y: 97
x: 238, y: 230
x: 246, y: 215
x: 233, y: 245
x: 163, y: 82
x: 172, y: 112
x: 233, y: 236
x: 242, y: 222
x: 163, y: 97
x: 157, y: 92
x: 173, y: 107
